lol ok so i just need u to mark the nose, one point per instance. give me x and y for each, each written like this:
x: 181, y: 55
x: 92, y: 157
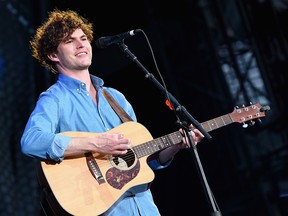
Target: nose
x: 79, y: 43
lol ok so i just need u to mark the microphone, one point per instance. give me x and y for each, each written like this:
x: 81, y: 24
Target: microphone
x: 104, y: 42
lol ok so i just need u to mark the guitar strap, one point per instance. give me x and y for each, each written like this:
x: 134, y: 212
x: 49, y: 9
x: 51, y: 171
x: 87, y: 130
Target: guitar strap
x: 116, y: 107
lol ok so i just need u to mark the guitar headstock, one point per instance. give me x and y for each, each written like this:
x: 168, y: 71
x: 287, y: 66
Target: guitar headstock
x: 249, y: 114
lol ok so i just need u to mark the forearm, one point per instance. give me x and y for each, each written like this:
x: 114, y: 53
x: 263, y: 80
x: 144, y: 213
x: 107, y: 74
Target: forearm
x: 167, y: 154
x: 109, y: 144
x: 79, y: 146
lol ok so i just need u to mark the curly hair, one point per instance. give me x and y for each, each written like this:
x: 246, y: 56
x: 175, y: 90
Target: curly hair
x: 59, y: 26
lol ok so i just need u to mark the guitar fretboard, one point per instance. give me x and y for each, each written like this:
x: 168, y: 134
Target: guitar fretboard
x: 216, y: 123
x: 158, y: 144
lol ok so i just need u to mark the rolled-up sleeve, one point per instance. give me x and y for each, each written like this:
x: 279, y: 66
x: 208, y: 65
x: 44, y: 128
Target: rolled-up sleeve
x: 40, y: 138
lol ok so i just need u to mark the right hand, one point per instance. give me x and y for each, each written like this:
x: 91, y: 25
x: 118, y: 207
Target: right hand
x: 112, y: 144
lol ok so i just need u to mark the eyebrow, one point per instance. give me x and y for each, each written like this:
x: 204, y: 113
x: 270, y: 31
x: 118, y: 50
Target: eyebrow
x: 83, y: 35
x: 71, y: 37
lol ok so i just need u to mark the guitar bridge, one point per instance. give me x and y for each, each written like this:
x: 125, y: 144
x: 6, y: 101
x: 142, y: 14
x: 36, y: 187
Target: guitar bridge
x: 94, y: 168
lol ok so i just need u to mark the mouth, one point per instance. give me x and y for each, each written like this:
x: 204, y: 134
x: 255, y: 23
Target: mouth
x: 81, y: 53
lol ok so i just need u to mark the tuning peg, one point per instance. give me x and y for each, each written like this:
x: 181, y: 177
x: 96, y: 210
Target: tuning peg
x: 251, y: 123
x: 259, y: 120
x: 245, y: 125
x: 265, y: 108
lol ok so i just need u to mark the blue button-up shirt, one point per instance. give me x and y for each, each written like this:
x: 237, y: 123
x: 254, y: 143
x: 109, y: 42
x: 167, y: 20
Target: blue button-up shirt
x: 67, y: 106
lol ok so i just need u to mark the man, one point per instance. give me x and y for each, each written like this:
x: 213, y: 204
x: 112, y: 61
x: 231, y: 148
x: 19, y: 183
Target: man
x: 76, y: 103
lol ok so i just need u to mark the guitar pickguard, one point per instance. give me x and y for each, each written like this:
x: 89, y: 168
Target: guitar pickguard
x: 123, y: 171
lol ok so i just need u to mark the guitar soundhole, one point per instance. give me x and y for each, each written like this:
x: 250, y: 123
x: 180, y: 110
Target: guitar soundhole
x: 124, y: 161
x: 123, y: 170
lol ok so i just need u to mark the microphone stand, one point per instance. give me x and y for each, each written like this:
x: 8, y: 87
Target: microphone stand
x: 181, y: 109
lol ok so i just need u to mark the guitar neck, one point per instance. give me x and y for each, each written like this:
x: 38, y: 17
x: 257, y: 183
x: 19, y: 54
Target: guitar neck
x: 240, y: 115
x: 174, y: 138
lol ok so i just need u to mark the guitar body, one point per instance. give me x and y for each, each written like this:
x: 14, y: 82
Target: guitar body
x: 79, y: 193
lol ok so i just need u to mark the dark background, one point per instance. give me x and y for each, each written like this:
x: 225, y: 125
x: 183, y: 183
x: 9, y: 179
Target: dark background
x: 212, y: 55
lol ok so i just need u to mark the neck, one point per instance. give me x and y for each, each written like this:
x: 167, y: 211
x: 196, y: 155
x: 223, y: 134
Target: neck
x: 82, y: 75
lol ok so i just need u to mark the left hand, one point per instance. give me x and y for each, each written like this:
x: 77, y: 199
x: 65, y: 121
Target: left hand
x: 196, y: 136
x: 166, y: 154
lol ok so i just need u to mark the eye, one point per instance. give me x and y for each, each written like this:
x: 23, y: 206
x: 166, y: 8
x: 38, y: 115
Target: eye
x: 68, y: 41
x: 84, y: 38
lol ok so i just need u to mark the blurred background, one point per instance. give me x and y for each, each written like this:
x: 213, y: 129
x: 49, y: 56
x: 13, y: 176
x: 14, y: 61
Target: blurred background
x: 213, y: 56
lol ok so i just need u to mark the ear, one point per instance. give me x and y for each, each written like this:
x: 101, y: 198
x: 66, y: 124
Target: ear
x: 53, y: 57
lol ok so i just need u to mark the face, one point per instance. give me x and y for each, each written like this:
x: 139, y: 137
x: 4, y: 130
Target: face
x: 74, y: 53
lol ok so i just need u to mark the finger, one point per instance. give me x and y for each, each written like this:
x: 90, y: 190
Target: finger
x: 124, y: 143
x: 198, y: 133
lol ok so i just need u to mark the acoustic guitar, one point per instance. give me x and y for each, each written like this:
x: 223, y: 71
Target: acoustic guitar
x: 93, y: 183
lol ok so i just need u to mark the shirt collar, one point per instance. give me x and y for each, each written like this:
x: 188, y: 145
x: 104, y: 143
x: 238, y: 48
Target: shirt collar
x: 76, y: 84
